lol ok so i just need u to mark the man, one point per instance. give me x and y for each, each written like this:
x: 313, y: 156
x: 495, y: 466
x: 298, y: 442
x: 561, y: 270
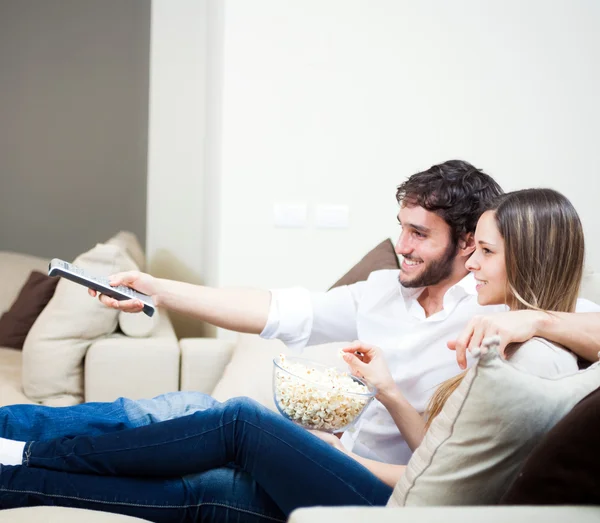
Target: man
x: 412, y: 314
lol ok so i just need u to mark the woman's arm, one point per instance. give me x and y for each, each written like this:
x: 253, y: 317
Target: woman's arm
x: 368, y: 362
x: 389, y: 474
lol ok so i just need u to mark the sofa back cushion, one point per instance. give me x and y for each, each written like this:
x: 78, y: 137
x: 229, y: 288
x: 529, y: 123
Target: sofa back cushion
x: 16, y: 322
x: 15, y: 268
x: 56, y: 345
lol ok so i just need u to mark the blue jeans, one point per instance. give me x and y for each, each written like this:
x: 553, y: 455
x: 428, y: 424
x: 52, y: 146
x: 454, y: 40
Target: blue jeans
x: 224, y: 494
x: 294, y: 468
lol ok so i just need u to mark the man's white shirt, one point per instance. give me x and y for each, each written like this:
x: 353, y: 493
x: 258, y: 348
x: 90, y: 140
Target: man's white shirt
x: 381, y: 312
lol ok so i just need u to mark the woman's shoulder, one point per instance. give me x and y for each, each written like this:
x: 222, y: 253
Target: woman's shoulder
x: 543, y: 358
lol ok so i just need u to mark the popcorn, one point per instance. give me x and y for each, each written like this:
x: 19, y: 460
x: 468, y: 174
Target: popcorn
x: 316, y: 397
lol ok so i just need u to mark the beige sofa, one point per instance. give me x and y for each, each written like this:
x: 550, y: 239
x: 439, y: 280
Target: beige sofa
x: 115, y: 365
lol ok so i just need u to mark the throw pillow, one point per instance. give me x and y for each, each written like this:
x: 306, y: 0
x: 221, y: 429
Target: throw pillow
x: 563, y: 468
x: 250, y: 371
x: 383, y: 256
x: 474, y: 448
x: 56, y: 345
x: 18, y: 320
x: 131, y: 245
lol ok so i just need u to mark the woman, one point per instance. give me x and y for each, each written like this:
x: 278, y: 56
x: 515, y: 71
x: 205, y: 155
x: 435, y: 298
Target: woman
x: 528, y: 254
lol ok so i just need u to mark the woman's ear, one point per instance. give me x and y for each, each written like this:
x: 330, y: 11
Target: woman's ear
x: 466, y: 244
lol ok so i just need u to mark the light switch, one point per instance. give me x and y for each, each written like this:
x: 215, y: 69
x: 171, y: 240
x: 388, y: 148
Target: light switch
x: 332, y: 216
x: 290, y: 215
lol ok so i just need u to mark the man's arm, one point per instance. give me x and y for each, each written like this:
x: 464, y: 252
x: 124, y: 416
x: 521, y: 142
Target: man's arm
x: 579, y: 331
x: 242, y: 310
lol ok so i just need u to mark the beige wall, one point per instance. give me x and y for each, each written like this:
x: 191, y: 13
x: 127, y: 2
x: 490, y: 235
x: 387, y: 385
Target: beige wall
x: 73, y: 123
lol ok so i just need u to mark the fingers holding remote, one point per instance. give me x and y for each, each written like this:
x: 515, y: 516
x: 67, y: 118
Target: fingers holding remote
x: 124, y: 305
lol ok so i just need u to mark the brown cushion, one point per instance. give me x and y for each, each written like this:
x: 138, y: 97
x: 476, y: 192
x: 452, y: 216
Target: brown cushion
x: 33, y: 297
x: 381, y: 257
x: 563, y: 468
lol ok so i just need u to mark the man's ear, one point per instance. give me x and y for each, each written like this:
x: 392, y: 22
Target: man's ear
x: 466, y: 244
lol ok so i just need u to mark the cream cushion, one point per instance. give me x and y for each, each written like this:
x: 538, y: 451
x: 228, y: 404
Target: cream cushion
x: 476, y: 445
x: 249, y: 373
x: 56, y: 345
x: 11, y: 391
x: 131, y: 245
x: 15, y: 268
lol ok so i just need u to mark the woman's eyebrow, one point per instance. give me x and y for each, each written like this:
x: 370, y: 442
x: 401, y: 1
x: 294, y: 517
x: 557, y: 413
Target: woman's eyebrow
x: 481, y: 242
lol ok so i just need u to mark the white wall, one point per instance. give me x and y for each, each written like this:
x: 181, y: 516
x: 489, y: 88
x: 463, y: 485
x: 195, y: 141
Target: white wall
x: 176, y: 152
x: 337, y: 101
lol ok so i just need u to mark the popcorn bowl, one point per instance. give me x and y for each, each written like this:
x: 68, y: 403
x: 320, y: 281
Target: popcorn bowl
x: 319, y: 397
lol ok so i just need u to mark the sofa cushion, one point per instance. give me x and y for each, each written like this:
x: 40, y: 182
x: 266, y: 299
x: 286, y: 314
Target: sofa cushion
x: 563, y: 468
x: 11, y: 391
x: 474, y: 448
x: 18, y: 320
x: 63, y: 515
x: 382, y: 256
x: 250, y: 371
x: 55, y: 348
x: 131, y: 245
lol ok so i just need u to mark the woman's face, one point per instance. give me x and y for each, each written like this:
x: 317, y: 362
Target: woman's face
x: 487, y: 262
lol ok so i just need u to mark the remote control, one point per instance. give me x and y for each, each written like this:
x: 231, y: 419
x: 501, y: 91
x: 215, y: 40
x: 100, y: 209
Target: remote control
x: 78, y: 275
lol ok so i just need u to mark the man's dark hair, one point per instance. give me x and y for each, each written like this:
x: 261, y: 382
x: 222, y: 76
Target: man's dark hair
x: 455, y: 190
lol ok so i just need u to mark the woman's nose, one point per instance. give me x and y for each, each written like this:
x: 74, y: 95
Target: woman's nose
x: 471, y: 263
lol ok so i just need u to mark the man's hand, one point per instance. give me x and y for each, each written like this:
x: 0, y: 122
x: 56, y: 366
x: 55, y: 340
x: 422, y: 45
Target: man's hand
x: 368, y: 362
x: 512, y: 327
x: 138, y: 281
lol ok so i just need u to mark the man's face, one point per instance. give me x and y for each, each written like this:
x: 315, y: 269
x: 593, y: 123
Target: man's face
x: 426, y: 246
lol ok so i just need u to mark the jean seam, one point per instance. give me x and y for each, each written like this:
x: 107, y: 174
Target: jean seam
x: 122, y: 503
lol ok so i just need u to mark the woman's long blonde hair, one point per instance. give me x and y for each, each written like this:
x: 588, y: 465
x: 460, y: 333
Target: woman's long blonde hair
x: 543, y: 252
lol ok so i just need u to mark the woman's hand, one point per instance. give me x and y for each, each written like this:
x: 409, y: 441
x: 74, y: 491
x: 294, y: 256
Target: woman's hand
x: 138, y: 281
x: 367, y: 361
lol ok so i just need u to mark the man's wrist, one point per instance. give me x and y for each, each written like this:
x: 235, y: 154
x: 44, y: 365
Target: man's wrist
x: 542, y: 323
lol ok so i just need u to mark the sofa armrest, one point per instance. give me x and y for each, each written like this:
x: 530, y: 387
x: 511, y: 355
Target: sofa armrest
x: 203, y: 361
x: 120, y: 366
x: 495, y: 514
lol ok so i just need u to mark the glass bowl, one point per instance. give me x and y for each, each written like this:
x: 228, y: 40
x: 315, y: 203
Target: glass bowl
x: 330, y: 400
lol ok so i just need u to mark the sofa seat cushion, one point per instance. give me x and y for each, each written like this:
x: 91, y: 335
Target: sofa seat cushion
x: 62, y: 515
x: 11, y: 391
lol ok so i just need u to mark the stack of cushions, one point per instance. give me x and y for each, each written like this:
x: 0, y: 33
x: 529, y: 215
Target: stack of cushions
x: 55, y: 321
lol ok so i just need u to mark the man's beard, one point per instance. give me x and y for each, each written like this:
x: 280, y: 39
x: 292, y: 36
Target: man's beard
x: 436, y: 270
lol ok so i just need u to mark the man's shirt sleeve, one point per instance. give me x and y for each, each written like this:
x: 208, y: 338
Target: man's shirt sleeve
x: 299, y: 317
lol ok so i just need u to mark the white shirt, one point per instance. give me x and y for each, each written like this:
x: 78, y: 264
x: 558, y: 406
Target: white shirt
x: 381, y: 312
